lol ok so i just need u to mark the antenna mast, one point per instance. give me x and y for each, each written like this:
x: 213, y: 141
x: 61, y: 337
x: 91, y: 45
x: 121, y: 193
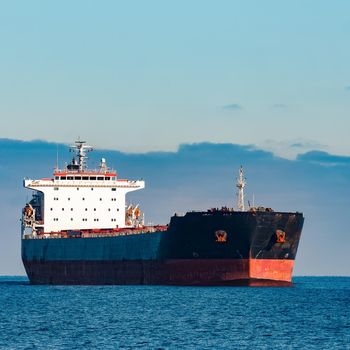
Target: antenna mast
x: 240, y: 193
x: 81, y: 149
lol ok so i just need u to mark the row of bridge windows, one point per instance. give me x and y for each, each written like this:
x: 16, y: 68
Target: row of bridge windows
x: 84, y: 178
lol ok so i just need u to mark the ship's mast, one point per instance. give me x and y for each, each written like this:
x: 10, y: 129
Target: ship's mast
x: 240, y: 193
x: 81, y: 149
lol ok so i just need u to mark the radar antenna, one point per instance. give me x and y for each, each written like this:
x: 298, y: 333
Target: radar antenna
x: 240, y: 193
x: 81, y: 149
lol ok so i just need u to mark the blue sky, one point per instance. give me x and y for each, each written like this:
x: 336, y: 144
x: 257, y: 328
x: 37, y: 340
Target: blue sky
x: 139, y: 76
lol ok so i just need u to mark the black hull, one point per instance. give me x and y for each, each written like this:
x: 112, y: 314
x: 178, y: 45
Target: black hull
x: 206, y: 248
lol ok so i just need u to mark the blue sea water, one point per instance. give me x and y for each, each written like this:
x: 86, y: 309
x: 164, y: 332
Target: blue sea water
x: 313, y: 314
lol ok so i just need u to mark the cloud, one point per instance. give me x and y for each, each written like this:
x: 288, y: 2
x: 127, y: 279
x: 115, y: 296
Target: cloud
x: 307, y: 145
x: 279, y: 106
x: 297, y: 145
x: 290, y: 149
x: 232, y: 107
x: 324, y: 158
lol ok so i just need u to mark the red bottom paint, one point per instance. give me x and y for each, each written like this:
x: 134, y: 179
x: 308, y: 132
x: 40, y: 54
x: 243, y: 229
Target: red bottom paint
x: 190, y: 272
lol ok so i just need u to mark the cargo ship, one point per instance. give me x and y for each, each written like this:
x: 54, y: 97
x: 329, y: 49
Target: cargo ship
x: 78, y: 229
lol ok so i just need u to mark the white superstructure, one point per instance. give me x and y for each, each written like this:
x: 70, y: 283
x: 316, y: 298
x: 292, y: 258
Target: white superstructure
x: 77, y: 198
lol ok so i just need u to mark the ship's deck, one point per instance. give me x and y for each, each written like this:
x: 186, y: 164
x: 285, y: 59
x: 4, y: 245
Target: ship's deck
x: 93, y: 233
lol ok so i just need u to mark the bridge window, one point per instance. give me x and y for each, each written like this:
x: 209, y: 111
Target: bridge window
x: 63, y: 177
x: 100, y: 178
x: 114, y: 189
x: 70, y: 178
x: 107, y: 178
x: 92, y: 177
x: 85, y: 178
x: 77, y: 178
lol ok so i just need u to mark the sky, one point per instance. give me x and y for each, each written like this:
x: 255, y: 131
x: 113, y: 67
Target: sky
x: 150, y: 75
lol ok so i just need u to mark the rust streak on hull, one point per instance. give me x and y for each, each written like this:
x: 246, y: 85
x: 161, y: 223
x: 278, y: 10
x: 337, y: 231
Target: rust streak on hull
x: 271, y: 269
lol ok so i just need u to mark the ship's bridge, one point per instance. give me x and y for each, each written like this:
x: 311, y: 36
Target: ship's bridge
x: 77, y: 198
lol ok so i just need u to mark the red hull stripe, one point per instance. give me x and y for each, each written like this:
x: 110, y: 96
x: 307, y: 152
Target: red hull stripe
x: 169, y: 272
x: 272, y: 269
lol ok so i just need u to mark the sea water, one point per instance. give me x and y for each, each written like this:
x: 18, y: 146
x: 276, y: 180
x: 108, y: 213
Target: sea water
x: 313, y: 314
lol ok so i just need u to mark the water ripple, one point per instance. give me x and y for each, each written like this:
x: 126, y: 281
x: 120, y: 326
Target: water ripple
x: 314, y: 314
